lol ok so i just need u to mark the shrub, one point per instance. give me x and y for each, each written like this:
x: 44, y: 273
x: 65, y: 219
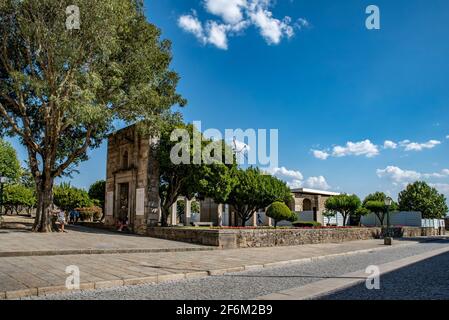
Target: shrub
x: 279, y: 211
x: 90, y: 213
x: 306, y: 224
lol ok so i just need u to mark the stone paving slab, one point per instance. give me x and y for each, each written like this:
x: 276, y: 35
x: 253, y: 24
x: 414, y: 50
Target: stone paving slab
x: 81, y: 240
x: 39, y: 275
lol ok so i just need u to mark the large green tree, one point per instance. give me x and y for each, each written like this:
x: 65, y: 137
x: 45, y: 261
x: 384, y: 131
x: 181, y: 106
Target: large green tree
x: 419, y: 196
x: 61, y: 88
x: 18, y: 197
x: 254, y: 191
x: 346, y: 204
x: 9, y: 163
x: 195, y: 175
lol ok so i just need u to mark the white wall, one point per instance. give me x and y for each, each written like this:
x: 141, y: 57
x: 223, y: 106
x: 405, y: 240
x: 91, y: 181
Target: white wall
x: 404, y: 218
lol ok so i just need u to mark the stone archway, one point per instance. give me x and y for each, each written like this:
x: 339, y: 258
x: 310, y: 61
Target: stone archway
x: 307, y: 205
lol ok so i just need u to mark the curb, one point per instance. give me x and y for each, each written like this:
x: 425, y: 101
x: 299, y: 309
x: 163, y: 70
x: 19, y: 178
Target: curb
x: 9, y: 254
x: 161, y: 278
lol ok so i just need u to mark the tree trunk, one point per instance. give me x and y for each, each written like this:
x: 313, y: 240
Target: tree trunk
x: 345, y: 217
x: 43, y: 220
x: 165, y: 212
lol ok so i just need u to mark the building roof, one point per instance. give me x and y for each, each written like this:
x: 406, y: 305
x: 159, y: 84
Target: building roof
x: 313, y: 191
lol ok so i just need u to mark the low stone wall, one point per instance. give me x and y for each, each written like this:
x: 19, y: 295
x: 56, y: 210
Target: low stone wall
x: 250, y: 238
x: 413, y: 232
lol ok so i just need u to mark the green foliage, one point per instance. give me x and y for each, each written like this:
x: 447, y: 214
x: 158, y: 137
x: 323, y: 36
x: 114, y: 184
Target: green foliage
x: 9, y: 163
x: 254, y: 191
x: 192, y: 178
x: 17, y: 196
x: 97, y: 191
x: 90, y: 213
x: 68, y: 198
x: 419, y: 196
x: 279, y: 211
x: 375, y: 203
x: 346, y: 204
x: 361, y: 211
x: 306, y: 224
x: 62, y: 89
x: 181, y: 204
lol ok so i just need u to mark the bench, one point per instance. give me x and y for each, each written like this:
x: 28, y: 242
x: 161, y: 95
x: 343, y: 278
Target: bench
x: 203, y: 224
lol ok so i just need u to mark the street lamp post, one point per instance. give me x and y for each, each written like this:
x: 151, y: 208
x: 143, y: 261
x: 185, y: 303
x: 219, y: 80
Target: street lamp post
x: 388, y: 239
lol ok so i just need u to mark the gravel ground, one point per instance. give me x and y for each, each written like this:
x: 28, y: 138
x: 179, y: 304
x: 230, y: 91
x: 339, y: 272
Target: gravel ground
x: 251, y: 284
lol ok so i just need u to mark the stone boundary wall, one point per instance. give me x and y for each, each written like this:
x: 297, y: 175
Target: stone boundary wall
x: 251, y: 238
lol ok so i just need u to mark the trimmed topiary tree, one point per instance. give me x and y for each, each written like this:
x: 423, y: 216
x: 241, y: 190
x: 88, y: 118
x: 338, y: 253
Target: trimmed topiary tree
x: 278, y: 211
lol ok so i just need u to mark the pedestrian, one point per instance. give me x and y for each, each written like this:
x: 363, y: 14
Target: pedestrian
x: 61, y: 219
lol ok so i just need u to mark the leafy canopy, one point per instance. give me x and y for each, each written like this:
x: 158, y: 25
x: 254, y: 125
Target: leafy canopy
x: 68, y: 198
x: 419, y: 196
x: 346, y: 204
x: 9, y: 163
x: 279, y: 211
x: 255, y: 190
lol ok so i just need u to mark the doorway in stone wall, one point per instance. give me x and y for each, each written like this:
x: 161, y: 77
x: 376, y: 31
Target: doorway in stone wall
x: 123, y: 209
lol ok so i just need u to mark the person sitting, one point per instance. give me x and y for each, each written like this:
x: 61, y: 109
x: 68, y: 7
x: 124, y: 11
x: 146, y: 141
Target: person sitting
x: 122, y: 224
x: 60, y: 214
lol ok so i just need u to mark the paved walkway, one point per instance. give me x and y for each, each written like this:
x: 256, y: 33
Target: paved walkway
x: 82, y: 240
x: 39, y: 275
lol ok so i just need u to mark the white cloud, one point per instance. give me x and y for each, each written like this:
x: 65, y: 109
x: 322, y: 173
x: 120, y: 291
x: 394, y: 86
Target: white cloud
x: 217, y: 35
x: 237, y: 15
x: 231, y: 11
x: 388, y: 144
x: 191, y: 24
x: 447, y: 137
x: 398, y: 175
x: 362, y: 148
x: 295, y: 179
x: 415, y: 146
x: 441, y: 187
x: 271, y: 29
x: 317, y: 183
x: 322, y: 155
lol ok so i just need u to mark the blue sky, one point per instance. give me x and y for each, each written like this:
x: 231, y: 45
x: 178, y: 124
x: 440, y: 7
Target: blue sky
x: 323, y: 80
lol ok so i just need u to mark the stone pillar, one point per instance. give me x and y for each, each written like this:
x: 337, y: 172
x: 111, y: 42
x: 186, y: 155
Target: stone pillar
x: 220, y: 209
x: 187, y: 211
x: 174, y: 214
x: 154, y: 202
x: 254, y: 219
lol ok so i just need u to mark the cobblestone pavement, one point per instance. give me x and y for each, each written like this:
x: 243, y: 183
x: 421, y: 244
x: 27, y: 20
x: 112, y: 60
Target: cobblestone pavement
x: 425, y: 280
x: 254, y: 283
x: 20, y: 276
